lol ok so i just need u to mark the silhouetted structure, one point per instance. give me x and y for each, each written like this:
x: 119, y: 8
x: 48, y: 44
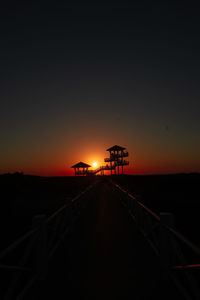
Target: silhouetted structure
x: 100, y: 169
x: 116, y: 159
x: 81, y: 168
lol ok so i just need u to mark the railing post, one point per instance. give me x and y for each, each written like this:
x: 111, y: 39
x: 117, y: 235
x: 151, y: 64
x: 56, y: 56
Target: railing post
x: 166, y: 219
x: 40, y: 254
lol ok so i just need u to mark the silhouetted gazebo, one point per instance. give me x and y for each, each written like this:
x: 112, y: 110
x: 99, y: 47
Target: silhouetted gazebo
x: 81, y: 168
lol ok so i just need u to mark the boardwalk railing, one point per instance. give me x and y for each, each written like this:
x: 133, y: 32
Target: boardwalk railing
x: 171, y: 247
x: 26, y: 260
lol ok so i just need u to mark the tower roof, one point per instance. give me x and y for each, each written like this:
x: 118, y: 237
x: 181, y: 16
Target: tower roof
x: 116, y: 148
x: 81, y: 165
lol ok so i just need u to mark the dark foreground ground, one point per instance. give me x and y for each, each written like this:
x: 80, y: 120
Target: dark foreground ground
x: 178, y: 194
x: 22, y: 197
x: 104, y: 258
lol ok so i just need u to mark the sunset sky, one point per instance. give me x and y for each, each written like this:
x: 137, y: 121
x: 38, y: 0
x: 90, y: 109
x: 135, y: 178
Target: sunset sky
x: 79, y: 78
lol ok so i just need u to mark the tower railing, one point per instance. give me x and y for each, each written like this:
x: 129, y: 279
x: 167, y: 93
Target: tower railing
x: 123, y: 154
x: 108, y: 159
x: 114, y: 157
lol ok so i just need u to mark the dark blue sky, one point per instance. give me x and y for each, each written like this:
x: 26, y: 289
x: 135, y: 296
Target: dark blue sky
x: 92, y: 75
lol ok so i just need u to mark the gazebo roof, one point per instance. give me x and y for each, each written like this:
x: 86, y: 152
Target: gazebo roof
x: 116, y: 148
x: 81, y: 165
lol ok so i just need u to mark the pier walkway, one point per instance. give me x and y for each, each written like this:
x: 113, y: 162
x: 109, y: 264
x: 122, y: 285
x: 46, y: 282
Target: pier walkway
x: 104, y: 258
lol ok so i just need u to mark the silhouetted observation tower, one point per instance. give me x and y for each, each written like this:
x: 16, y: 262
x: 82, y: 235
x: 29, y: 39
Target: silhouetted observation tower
x: 116, y: 159
x: 81, y: 168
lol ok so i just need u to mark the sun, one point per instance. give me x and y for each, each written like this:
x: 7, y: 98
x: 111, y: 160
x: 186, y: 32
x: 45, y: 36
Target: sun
x: 95, y: 164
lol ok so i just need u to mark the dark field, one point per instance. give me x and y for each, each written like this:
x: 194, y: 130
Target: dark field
x: 23, y: 196
x: 109, y: 258
x: 178, y: 194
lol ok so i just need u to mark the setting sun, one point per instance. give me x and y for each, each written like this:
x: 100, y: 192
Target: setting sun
x: 95, y: 164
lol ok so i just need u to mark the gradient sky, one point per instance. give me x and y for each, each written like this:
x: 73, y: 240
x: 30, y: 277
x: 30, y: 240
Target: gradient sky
x: 79, y: 78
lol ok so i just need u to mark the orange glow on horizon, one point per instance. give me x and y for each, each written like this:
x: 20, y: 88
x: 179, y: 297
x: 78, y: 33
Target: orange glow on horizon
x: 58, y: 161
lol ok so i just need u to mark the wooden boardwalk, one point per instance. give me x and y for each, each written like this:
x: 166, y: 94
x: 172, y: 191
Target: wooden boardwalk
x: 104, y: 258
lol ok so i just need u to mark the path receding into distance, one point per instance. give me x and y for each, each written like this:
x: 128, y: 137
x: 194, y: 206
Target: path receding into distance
x: 104, y: 258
